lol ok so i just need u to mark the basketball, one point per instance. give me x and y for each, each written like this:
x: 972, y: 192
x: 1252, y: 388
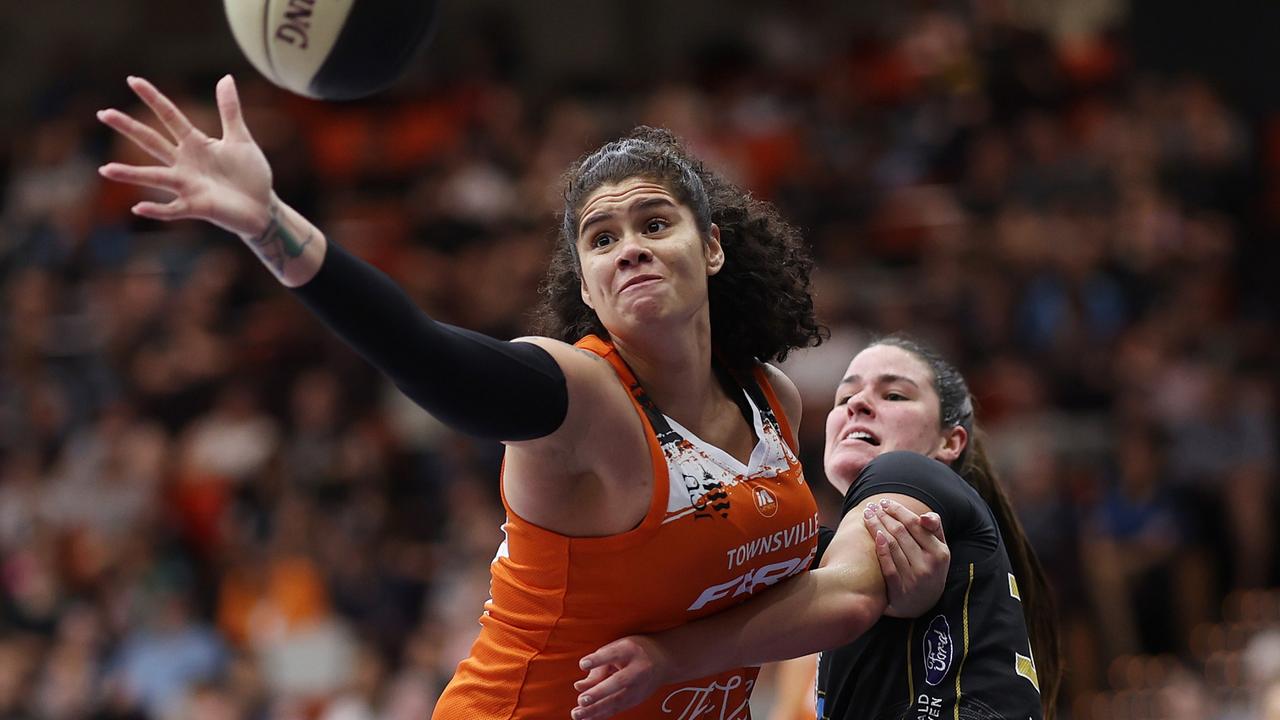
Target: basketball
x: 331, y: 49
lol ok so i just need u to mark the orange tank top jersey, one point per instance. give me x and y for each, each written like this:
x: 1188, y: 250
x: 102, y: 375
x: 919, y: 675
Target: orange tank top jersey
x: 715, y: 533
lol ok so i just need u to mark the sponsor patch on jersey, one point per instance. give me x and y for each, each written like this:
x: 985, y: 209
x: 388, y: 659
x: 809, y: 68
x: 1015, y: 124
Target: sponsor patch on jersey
x: 939, y: 650
x: 754, y: 579
x: 766, y: 503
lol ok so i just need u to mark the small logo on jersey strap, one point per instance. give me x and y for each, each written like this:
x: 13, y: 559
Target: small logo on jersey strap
x: 939, y: 651
x: 766, y: 503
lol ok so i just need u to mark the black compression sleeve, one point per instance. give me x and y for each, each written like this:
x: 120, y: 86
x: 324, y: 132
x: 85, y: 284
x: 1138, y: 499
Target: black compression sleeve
x: 472, y: 382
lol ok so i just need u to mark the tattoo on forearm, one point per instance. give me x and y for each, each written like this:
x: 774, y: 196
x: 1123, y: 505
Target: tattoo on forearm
x: 276, y: 245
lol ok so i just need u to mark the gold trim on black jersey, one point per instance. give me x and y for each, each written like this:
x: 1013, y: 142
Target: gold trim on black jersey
x: 911, y: 681
x: 960, y: 669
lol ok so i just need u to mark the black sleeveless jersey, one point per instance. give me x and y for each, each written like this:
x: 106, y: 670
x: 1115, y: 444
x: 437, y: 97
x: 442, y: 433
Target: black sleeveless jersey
x: 968, y: 656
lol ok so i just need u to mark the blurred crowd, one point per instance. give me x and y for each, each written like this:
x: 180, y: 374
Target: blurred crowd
x: 212, y: 509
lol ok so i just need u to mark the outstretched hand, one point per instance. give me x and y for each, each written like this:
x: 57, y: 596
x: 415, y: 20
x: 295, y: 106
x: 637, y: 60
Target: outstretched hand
x: 622, y: 674
x: 913, y: 555
x: 225, y: 181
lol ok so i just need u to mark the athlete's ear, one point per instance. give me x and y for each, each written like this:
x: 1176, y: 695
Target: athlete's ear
x: 954, y: 441
x: 586, y: 294
x: 713, y: 250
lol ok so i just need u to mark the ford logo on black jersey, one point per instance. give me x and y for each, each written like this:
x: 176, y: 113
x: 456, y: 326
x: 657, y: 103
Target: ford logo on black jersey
x: 939, y: 651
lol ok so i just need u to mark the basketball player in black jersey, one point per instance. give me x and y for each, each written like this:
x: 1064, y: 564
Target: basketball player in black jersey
x: 986, y: 648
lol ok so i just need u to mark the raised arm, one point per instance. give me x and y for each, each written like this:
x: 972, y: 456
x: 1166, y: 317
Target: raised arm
x: 464, y: 378
x: 825, y: 608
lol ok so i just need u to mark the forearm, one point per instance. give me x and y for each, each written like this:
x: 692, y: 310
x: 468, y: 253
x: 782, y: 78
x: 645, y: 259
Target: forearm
x: 474, y: 383
x: 815, y: 611
x: 290, y: 246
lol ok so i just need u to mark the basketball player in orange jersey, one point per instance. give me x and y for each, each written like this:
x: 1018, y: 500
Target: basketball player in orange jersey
x: 650, y: 475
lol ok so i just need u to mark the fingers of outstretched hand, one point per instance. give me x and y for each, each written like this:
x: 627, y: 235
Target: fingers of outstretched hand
x: 142, y: 135
x: 177, y: 123
x: 176, y: 209
x: 152, y: 176
x: 233, y: 126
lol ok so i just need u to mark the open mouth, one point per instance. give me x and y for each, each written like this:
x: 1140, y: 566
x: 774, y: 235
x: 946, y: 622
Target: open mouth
x: 861, y: 436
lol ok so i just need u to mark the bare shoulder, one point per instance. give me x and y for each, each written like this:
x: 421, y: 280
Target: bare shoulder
x: 787, y: 392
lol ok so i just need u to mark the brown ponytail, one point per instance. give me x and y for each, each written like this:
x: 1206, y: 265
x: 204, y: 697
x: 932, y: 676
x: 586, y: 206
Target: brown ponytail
x: 956, y: 408
x: 1037, y: 600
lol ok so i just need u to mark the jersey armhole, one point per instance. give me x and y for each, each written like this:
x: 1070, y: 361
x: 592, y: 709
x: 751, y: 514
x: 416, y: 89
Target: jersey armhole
x: 661, y: 474
x: 779, y: 413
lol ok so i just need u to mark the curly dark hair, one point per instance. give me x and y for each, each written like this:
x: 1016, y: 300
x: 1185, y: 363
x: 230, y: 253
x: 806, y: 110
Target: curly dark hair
x: 760, y: 301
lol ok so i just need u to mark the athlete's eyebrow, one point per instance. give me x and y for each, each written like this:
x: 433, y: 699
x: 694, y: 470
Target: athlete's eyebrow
x: 885, y: 379
x: 647, y: 203
x: 651, y: 202
x: 598, y: 216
